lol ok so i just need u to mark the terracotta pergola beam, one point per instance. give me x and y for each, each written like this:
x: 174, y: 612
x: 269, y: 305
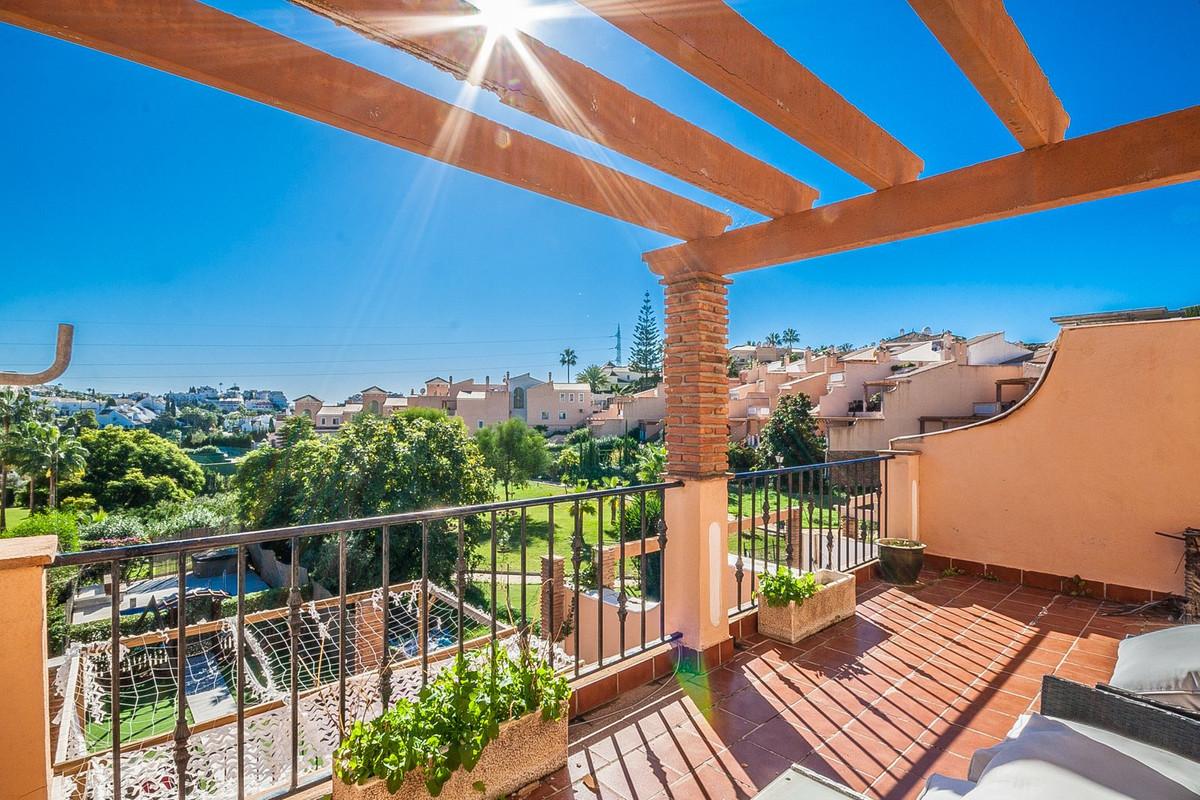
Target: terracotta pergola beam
x: 538, y: 80
x: 201, y: 43
x: 715, y: 44
x: 1154, y: 152
x: 987, y: 45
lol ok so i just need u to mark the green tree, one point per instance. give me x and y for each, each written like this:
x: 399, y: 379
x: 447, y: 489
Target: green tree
x: 651, y: 462
x: 646, y: 354
x: 791, y: 432
x: 195, y: 418
x: 51, y: 452
x: 568, y: 359
x: 595, y: 377
x: 372, y: 466
x: 514, y: 451
x: 15, y: 408
x: 790, y: 337
x: 154, y: 468
x: 773, y: 339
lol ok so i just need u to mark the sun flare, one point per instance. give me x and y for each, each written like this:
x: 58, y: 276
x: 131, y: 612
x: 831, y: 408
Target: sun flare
x: 504, y: 17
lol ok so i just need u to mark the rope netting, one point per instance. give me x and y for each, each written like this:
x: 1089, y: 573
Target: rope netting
x: 149, y: 684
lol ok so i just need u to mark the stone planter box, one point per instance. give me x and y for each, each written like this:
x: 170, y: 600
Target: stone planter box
x: 526, y: 750
x: 792, y: 622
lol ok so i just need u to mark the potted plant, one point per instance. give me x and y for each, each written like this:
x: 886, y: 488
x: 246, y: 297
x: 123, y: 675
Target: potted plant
x: 792, y: 606
x: 484, y: 727
x: 900, y: 560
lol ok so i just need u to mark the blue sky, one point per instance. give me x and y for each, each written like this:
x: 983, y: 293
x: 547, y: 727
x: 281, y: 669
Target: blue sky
x: 195, y: 237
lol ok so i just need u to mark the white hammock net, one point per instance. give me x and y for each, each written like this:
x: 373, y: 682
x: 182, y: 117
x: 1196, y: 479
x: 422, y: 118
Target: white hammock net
x: 149, y: 684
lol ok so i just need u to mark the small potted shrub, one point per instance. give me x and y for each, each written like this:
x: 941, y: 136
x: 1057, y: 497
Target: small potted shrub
x: 482, y: 728
x: 792, y: 606
x: 900, y: 560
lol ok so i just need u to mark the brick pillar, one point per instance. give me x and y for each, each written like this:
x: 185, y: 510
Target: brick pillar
x: 553, y: 599
x: 25, y: 733
x: 694, y: 369
x: 696, y: 576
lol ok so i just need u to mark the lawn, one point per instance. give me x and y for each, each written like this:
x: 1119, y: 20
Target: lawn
x: 12, y: 516
x: 537, y: 526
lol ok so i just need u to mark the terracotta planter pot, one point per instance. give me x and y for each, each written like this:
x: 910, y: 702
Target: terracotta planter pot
x: 900, y: 560
x: 526, y: 750
x: 793, y: 622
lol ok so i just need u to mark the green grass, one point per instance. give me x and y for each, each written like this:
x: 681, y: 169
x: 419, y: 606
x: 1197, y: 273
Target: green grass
x: 13, y: 516
x: 537, y: 529
x: 137, y: 721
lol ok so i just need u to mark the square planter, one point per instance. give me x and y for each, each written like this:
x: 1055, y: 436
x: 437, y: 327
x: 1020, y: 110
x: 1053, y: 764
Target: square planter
x: 791, y: 623
x: 526, y: 750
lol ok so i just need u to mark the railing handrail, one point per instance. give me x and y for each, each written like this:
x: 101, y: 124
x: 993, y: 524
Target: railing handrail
x: 176, y: 546
x: 808, y: 467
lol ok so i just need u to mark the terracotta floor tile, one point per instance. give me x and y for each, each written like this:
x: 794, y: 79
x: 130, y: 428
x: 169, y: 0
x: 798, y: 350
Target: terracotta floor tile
x: 750, y: 765
x: 787, y: 736
x: 834, y: 768
x: 637, y: 775
x: 709, y: 782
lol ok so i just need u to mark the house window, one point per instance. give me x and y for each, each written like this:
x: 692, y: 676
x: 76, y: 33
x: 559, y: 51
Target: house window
x: 479, y: 426
x: 518, y: 397
x: 545, y: 415
x: 562, y: 415
x: 336, y: 422
x: 571, y: 397
x: 322, y: 420
x: 375, y: 410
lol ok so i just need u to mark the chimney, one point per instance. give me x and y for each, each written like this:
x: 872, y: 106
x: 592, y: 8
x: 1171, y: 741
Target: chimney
x: 550, y: 376
x: 947, y: 346
x: 487, y: 385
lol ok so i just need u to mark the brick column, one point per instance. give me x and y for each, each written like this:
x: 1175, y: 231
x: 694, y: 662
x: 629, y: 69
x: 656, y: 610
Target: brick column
x: 25, y: 732
x: 694, y: 369
x: 696, y: 573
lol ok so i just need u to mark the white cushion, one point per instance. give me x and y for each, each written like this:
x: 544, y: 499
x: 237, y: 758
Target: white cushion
x: 1163, y: 665
x: 1048, y: 760
x: 939, y: 787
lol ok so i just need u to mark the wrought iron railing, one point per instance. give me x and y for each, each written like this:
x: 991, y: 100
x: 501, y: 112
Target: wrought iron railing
x: 201, y: 688
x: 817, y: 516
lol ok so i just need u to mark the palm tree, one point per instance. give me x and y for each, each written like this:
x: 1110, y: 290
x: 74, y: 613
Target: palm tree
x: 595, y: 377
x: 790, y: 337
x: 15, y: 408
x: 773, y: 339
x: 567, y: 359
x: 53, y: 452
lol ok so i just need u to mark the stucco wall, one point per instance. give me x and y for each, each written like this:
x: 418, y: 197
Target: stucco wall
x: 1078, y: 477
x: 945, y: 389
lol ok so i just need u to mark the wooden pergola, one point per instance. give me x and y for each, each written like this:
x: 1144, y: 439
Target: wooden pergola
x: 712, y: 42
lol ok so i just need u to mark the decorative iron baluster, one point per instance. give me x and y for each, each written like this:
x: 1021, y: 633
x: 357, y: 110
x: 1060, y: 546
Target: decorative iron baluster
x: 182, y: 731
x: 424, y: 610
x: 739, y: 568
x: 622, y: 598
x: 460, y: 582
x: 576, y: 559
x: 342, y: 632
x: 599, y: 581
x: 114, y: 668
x: 548, y: 586
x: 753, y: 538
x: 495, y: 611
x: 241, y: 673
x: 385, y: 659
x: 294, y: 656
x: 809, y: 538
x: 791, y: 517
x: 662, y: 563
x: 642, y: 564
x: 524, y: 623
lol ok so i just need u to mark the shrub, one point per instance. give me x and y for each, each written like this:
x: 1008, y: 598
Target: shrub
x: 54, y: 523
x: 785, y: 587
x: 112, y: 527
x: 451, y: 721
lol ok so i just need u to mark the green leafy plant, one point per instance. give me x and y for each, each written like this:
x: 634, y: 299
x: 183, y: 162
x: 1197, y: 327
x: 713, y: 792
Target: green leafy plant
x: 785, y: 587
x: 452, y: 720
x: 952, y: 572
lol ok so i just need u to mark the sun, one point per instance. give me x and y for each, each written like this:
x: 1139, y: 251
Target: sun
x: 503, y: 17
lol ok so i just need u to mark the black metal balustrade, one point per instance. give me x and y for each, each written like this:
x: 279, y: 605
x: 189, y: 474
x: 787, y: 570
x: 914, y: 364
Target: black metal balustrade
x: 817, y: 516
x: 368, y: 611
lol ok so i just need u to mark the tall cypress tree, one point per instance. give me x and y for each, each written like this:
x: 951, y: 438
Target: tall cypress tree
x: 646, y: 353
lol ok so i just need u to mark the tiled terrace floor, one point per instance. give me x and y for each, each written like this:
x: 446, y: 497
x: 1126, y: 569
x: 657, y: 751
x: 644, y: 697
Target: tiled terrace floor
x: 912, y: 685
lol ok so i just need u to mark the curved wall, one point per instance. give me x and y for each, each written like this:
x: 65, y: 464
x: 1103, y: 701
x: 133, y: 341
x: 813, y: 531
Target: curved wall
x: 1078, y: 477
